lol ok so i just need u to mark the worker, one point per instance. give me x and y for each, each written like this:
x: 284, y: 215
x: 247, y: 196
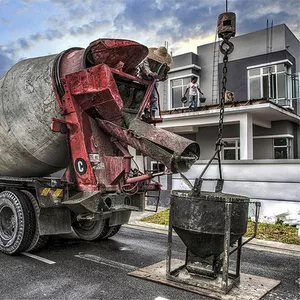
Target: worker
x: 155, y: 67
x: 193, y: 87
x: 229, y: 96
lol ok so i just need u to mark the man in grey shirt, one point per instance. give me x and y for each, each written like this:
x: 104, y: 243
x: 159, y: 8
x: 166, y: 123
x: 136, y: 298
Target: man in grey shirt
x: 155, y: 67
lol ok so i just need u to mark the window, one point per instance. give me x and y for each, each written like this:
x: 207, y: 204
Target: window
x: 282, y: 148
x: 178, y: 87
x: 295, y: 85
x: 268, y: 82
x: 157, y: 168
x: 231, y: 149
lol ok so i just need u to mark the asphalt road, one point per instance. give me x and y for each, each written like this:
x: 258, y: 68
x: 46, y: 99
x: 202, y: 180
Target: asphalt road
x: 98, y: 270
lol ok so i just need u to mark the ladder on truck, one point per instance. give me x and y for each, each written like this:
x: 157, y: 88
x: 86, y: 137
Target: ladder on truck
x: 151, y: 195
x: 215, y: 72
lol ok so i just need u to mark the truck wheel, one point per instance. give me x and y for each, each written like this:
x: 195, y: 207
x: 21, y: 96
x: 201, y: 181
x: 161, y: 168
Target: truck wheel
x: 17, y: 222
x: 112, y: 231
x: 90, y: 230
x: 39, y: 241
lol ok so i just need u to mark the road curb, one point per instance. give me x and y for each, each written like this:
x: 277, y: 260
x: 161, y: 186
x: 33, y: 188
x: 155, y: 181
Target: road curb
x: 255, y: 244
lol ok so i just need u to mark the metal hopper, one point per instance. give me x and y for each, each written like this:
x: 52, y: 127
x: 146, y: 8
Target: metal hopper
x: 200, y: 221
x: 211, y: 226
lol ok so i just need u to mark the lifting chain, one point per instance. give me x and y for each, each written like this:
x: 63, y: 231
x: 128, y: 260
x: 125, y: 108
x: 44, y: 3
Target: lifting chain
x: 226, y: 30
x: 222, y: 102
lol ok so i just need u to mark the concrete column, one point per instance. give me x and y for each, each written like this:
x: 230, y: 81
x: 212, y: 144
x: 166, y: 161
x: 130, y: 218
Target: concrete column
x: 246, y: 137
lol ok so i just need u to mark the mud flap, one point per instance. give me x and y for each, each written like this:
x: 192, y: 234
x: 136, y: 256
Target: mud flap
x: 119, y: 218
x: 55, y: 221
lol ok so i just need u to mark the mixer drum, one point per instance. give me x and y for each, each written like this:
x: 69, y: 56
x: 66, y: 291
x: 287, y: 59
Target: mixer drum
x: 27, y: 105
x: 200, y: 221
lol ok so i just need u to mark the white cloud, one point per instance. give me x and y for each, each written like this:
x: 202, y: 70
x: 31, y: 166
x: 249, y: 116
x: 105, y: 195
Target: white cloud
x: 185, y: 25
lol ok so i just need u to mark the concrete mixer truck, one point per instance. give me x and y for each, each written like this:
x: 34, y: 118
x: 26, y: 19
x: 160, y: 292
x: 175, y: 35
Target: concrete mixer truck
x: 78, y: 111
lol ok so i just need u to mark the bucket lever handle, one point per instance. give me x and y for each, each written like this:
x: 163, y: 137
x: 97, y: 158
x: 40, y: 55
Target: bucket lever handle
x: 196, y: 190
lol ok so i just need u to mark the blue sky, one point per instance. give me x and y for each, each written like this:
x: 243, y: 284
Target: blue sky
x: 32, y: 28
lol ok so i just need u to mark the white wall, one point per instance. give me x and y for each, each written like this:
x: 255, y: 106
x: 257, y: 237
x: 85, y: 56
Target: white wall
x: 275, y: 183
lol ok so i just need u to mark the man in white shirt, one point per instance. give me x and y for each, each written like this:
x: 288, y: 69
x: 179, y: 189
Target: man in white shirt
x: 193, y: 88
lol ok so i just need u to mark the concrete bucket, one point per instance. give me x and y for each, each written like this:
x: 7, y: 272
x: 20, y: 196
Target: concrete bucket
x: 200, y: 221
x: 211, y: 226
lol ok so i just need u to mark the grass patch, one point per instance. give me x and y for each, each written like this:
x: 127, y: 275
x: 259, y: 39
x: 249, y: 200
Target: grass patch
x: 161, y: 218
x: 271, y: 232
x: 275, y: 232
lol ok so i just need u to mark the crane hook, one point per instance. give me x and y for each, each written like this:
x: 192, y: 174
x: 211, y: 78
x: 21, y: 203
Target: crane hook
x: 226, y: 47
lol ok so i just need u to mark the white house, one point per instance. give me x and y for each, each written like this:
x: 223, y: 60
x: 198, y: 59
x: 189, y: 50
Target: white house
x: 261, y: 158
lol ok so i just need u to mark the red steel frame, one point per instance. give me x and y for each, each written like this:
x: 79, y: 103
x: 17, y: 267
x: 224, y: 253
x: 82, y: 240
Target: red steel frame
x: 95, y: 87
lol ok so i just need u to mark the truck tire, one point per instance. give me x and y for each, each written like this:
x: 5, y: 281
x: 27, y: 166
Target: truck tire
x: 112, y: 231
x: 39, y: 241
x: 17, y: 222
x: 91, y: 230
